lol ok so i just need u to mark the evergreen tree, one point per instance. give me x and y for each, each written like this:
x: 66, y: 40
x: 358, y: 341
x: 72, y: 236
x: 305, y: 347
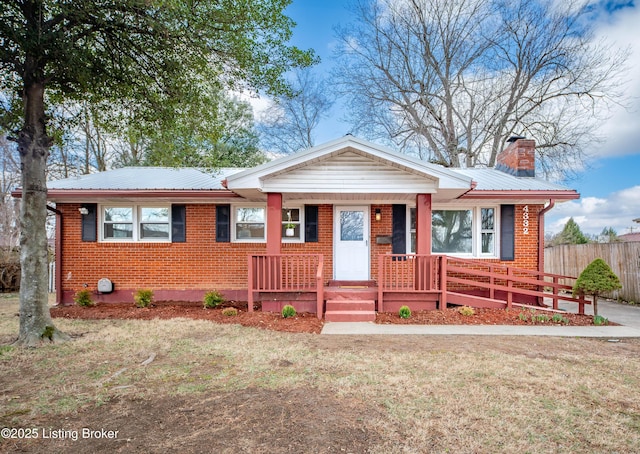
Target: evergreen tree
x: 597, y: 278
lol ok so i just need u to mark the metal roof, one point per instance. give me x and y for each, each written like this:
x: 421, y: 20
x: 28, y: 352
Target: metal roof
x: 147, y: 178
x: 494, y: 180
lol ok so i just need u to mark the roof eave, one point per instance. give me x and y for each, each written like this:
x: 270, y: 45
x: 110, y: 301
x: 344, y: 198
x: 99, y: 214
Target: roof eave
x: 521, y: 194
x: 68, y: 194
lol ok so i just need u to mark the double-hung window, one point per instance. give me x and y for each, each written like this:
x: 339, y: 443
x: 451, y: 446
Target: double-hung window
x: 135, y: 223
x: 292, y: 224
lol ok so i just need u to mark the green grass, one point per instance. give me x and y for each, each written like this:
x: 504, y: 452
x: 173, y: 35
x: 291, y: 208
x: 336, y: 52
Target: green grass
x: 450, y: 394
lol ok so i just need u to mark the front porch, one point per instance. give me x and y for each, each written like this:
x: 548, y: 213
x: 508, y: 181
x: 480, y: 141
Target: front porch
x: 420, y: 281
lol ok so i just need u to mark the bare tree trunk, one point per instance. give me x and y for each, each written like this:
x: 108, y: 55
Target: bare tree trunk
x: 36, y: 325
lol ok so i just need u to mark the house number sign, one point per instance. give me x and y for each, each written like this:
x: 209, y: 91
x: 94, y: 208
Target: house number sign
x: 525, y: 220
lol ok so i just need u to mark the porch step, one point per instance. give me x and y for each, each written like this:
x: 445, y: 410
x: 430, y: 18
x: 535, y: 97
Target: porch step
x: 351, y: 294
x: 350, y: 311
x: 351, y: 284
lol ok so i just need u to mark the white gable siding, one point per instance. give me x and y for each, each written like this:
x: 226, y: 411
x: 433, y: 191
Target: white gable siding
x: 351, y: 172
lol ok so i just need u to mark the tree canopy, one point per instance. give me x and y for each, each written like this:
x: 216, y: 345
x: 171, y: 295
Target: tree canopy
x: 148, y: 54
x: 451, y: 81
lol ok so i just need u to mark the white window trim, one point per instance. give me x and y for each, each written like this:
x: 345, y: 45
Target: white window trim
x: 234, y: 207
x: 476, y: 232
x: 286, y: 239
x: 136, y: 237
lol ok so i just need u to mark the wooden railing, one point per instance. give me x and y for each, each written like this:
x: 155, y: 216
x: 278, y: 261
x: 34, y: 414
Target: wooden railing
x: 412, y: 273
x: 281, y: 273
x: 407, y: 273
x: 506, y: 282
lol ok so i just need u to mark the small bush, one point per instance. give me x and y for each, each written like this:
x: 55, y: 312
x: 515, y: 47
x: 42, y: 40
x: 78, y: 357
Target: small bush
x: 404, y: 312
x: 288, y: 311
x: 599, y: 320
x: 540, y: 318
x: 559, y: 318
x: 230, y: 311
x: 523, y: 316
x: 83, y: 298
x: 213, y: 299
x: 143, y: 297
x: 467, y: 311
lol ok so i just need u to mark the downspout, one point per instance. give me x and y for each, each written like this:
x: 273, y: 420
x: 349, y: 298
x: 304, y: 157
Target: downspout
x: 541, y: 214
x: 58, y: 276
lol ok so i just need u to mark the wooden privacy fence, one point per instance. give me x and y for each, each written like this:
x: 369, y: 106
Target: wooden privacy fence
x: 623, y: 258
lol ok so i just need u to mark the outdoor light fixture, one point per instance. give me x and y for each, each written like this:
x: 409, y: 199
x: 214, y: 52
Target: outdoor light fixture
x: 83, y: 211
x: 378, y: 214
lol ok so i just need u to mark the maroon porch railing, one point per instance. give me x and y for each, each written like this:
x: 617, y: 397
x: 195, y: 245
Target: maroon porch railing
x: 412, y: 273
x: 504, y: 282
x: 407, y: 273
x: 280, y: 273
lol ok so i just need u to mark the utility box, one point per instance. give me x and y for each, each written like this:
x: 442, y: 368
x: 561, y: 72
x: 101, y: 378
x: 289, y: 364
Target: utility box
x: 105, y: 285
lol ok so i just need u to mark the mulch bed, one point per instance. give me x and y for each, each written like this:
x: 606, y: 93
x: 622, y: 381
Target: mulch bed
x: 302, y: 322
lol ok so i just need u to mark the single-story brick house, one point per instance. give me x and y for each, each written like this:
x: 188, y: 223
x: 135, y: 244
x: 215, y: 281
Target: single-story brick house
x: 340, y: 214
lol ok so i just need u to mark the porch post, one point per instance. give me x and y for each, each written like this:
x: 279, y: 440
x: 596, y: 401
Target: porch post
x: 423, y: 224
x: 274, y: 222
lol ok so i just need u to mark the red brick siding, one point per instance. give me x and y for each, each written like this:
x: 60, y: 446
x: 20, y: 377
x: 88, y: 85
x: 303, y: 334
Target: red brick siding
x: 203, y: 264
x: 199, y: 264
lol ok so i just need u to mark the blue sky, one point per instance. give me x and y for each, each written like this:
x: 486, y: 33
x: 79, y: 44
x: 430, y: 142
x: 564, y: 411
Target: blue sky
x: 609, y: 188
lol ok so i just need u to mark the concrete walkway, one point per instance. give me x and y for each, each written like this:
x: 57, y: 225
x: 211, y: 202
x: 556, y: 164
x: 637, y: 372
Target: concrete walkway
x: 627, y: 316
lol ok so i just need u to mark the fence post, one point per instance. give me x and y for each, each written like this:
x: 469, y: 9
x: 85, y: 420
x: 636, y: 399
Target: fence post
x: 509, y: 285
x: 442, y: 304
x: 250, y: 284
x: 381, y: 265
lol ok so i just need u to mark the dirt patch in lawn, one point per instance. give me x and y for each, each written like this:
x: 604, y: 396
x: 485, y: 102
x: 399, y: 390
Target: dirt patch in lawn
x: 248, y: 420
x: 306, y: 322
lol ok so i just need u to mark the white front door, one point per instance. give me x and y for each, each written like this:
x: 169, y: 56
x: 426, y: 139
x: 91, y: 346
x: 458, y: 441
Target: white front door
x: 351, y: 243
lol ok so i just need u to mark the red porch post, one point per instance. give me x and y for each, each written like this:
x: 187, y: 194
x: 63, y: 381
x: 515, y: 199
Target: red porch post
x: 423, y: 224
x: 274, y: 223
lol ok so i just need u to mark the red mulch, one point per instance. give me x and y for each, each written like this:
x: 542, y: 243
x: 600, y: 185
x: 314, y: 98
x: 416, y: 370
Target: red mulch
x: 303, y: 322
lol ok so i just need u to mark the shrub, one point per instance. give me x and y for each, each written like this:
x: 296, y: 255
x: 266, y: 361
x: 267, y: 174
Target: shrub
x: 597, y: 278
x: 559, y: 318
x: 540, y: 318
x: 523, y: 316
x: 213, y: 299
x: 83, y: 298
x: 288, y: 311
x: 143, y: 297
x: 599, y: 320
x: 404, y: 312
x: 467, y: 311
x: 230, y: 311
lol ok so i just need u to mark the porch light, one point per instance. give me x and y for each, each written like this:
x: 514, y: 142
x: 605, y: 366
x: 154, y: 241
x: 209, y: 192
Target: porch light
x: 83, y: 211
x: 378, y: 214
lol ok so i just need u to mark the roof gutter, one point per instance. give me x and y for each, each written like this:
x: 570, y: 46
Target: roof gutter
x: 61, y: 194
x: 521, y: 194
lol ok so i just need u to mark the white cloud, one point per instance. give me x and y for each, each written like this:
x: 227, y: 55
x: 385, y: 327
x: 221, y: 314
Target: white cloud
x: 593, y: 214
x: 621, y: 130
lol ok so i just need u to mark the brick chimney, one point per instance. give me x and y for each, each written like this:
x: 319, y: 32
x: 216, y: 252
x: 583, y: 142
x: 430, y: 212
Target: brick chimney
x: 519, y: 158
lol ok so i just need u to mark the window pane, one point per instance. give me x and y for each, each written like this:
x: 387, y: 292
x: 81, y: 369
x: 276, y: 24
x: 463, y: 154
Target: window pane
x: 487, y: 218
x: 249, y: 231
x: 351, y: 225
x: 154, y: 214
x: 487, y: 243
x: 412, y: 219
x: 118, y: 230
x: 118, y: 214
x: 452, y: 231
x: 292, y: 214
x: 154, y: 230
x: 250, y: 215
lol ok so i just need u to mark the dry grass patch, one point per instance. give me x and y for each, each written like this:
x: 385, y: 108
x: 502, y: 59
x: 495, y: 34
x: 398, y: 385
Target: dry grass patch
x: 253, y: 390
